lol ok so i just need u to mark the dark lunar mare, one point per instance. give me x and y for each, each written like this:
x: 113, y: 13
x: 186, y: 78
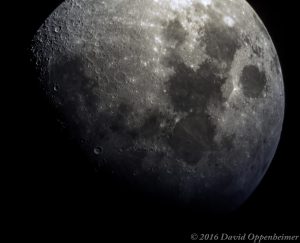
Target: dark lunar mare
x: 155, y: 121
x: 192, y: 91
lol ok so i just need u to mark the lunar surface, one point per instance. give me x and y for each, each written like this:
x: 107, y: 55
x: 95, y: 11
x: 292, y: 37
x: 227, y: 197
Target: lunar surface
x: 181, y: 98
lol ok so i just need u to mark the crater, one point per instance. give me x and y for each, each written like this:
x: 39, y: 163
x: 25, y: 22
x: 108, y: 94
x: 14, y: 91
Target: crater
x: 174, y: 31
x: 253, y: 81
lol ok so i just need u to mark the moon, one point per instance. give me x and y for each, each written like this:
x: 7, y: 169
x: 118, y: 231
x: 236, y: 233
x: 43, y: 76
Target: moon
x: 182, y: 98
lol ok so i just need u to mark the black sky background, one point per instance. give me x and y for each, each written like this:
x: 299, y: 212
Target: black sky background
x: 52, y: 190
